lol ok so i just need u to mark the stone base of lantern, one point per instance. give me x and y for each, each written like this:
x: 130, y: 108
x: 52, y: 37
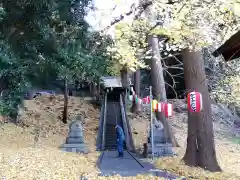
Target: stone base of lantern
x: 161, y: 150
x: 77, y: 148
x: 74, y: 140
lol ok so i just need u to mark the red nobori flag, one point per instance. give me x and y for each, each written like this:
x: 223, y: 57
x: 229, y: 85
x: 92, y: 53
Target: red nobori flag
x: 146, y: 100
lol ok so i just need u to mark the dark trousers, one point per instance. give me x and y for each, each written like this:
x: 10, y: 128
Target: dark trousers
x: 120, y: 144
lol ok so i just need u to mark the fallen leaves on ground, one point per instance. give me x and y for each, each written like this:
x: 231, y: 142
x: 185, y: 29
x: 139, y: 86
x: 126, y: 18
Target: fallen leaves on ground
x: 228, y: 153
x: 178, y: 167
x: 20, y: 159
x: 23, y: 158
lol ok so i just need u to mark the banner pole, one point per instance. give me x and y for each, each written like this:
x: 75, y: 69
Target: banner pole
x: 151, y: 113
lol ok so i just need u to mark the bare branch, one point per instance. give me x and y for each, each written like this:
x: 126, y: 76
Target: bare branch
x: 180, y: 75
x: 142, y: 7
x: 170, y: 67
x: 173, y: 80
x: 172, y: 89
x: 177, y: 59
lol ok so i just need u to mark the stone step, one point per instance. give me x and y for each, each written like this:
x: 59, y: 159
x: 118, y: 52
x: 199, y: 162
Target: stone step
x: 109, y: 131
x: 161, y: 150
x: 112, y: 139
x: 111, y: 142
x: 108, y: 146
x: 110, y: 135
x: 111, y: 126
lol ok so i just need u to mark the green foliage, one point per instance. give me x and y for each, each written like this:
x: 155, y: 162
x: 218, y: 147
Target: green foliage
x: 228, y: 90
x: 44, y: 40
x: 131, y: 44
x: 2, y: 13
x: 187, y: 24
x: 197, y: 24
x: 13, y: 80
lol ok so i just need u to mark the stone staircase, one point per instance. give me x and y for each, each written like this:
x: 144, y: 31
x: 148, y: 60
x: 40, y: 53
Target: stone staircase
x: 113, y: 118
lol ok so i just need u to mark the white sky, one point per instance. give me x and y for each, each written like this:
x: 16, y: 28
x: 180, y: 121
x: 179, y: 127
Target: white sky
x: 106, y: 11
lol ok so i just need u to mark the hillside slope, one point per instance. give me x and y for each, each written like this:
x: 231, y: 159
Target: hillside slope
x: 25, y: 155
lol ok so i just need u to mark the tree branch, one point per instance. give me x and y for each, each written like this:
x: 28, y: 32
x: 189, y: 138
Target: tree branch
x: 173, y: 80
x: 172, y: 89
x: 141, y: 8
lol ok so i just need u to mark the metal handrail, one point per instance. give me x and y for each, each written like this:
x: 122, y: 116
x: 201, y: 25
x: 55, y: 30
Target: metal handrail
x: 104, y: 122
x: 130, y: 132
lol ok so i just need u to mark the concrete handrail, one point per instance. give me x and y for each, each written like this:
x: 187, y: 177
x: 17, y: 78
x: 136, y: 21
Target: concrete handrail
x: 104, y: 122
x: 129, y: 129
x: 100, y: 126
x: 125, y: 126
x: 130, y: 132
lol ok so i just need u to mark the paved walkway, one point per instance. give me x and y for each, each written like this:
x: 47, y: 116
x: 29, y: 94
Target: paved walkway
x: 129, y: 165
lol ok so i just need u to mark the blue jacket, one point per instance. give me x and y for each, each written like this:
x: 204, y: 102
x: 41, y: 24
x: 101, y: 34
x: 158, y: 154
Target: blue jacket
x: 120, y: 133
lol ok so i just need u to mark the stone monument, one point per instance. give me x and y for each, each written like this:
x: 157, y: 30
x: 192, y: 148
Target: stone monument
x: 75, y: 139
x: 161, y: 147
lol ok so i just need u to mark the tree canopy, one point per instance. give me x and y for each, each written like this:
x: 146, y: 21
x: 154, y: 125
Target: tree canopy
x: 196, y: 24
x: 185, y: 24
x: 130, y: 44
x: 48, y: 39
x: 51, y: 39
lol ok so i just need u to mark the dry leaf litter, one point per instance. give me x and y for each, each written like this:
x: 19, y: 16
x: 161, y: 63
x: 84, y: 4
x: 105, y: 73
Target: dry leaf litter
x: 23, y: 158
x: 31, y: 151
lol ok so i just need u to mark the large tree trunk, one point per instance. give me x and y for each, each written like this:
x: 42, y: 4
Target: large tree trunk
x: 158, y: 88
x: 137, y: 77
x: 200, y: 142
x: 124, y: 80
x: 65, y: 109
x: 93, y: 89
x: 124, y: 77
